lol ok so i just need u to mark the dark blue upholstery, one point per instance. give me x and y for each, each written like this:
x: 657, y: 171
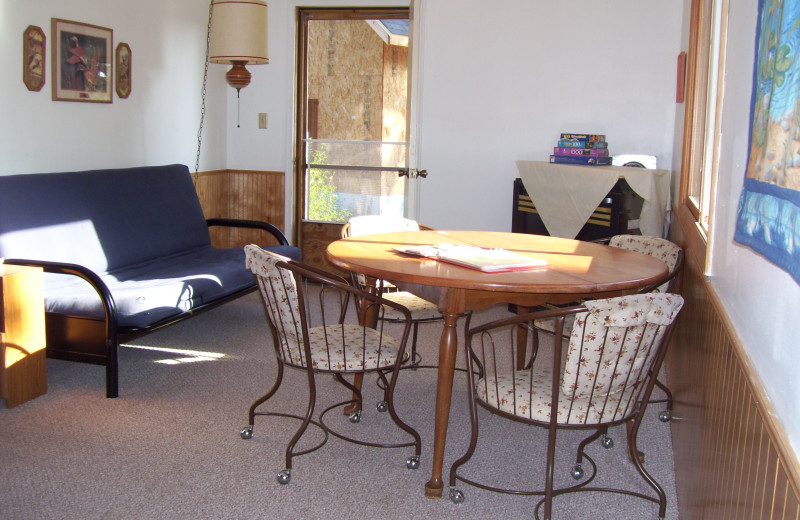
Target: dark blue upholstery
x: 102, y: 219
x: 142, y: 230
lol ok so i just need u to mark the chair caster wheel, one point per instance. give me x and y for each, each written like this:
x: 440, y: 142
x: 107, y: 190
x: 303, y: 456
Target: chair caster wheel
x: 665, y: 416
x: 355, y: 417
x: 246, y: 432
x: 456, y: 496
x: 412, y: 462
x: 607, y: 442
x: 284, y: 477
x: 577, y: 472
x: 382, y: 406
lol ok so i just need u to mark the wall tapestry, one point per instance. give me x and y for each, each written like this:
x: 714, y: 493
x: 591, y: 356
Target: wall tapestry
x: 768, y: 219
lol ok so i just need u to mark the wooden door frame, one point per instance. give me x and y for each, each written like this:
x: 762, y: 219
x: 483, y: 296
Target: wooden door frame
x: 302, y: 16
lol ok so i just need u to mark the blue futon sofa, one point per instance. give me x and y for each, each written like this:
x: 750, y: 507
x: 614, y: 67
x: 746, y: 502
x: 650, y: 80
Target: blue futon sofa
x: 125, y: 251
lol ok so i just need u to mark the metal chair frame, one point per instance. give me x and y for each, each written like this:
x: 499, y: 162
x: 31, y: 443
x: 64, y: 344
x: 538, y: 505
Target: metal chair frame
x: 482, y: 351
x: 303, y: 276
x: 666, y: 285
x: 385, y: 287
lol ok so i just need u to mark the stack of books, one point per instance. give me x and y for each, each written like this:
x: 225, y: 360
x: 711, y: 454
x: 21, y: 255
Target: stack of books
x: 586, y: 149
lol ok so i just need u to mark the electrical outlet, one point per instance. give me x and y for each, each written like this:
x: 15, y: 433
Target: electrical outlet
x: 262, y: 120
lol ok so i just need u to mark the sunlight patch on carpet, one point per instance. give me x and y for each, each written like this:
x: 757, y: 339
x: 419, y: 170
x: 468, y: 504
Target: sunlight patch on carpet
x: 184, y: 355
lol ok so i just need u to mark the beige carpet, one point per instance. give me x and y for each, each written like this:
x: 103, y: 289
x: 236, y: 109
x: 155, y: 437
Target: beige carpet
x: 169, y: 446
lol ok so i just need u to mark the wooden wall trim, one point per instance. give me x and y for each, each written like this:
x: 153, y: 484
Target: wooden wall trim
x: 254, y: 172
x: 693, y: 241
x: 733, y: 458
x: 756, y: 387
x: 242, y: 194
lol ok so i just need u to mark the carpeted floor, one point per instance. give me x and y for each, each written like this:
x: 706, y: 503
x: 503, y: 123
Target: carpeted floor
x: 169, y: 446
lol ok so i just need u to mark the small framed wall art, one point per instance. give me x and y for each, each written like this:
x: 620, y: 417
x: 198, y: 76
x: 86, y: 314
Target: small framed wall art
x: 122, y: 66
x: 33, y: 58
x: 680, y: 90
x: 82, y: 66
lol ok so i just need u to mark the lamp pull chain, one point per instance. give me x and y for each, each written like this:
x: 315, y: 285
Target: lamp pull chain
x: 203, y: 103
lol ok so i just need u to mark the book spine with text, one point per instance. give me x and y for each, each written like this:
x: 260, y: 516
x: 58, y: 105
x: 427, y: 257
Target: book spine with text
x: 574, y: 159
x: 580, y: 152
x: 580, y: 143
x: 593, y: 138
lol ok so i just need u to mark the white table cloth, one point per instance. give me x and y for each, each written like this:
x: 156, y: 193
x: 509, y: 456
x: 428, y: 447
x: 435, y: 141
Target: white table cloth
x: 566, y: 195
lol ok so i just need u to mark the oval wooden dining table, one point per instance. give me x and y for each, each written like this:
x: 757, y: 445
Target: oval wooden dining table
x: 575, y: 269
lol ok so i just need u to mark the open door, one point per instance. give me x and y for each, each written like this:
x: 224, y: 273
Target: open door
x: 352, y: 109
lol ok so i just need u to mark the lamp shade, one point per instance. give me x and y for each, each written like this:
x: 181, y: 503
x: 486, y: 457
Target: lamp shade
x: 239, y: 32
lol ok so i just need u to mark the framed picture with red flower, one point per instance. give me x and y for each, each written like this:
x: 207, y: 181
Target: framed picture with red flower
x: 82, y: 62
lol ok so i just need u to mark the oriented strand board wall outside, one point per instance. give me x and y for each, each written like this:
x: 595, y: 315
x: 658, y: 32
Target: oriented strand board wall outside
x: 360, y: 84
x: 242, y: 194
x: 345, y: 67
x: 395, y: 103
x: 395, y: 92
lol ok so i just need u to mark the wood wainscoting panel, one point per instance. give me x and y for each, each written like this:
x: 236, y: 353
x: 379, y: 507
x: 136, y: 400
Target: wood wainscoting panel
x: 242, y: 194
x: 316, y: 237
x: 732, y: 457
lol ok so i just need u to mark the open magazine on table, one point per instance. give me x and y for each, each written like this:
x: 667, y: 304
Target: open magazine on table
x: 482, y: 259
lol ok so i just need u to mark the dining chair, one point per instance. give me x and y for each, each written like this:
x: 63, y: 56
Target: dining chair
x: 664, y: 250
x: 422, y: 311
x: 604, y: 378
x: 314, y: 329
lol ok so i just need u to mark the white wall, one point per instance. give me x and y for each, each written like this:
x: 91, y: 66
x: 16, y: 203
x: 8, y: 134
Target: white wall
x: 761, y: 299
x: 501, y: 80
x: 157, y: 124
x: 498, y: 82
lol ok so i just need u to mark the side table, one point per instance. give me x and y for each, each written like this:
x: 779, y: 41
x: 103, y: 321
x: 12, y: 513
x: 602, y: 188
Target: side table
x: 23, y: 365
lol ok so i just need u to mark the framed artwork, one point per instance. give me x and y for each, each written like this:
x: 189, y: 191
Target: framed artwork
x: 122, y: 66
x: 82, y: 67
x: 768, y: 215
x: 33, y: 58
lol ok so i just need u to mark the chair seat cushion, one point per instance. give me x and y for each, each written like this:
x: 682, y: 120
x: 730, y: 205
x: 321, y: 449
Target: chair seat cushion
x: 420, y: 309
x: 149, y: 292
x: 526, y: 394
x: 346, y: 348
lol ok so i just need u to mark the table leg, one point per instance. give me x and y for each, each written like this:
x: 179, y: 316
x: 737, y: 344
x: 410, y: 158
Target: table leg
x: 448, y: 347
x: 522, y: 338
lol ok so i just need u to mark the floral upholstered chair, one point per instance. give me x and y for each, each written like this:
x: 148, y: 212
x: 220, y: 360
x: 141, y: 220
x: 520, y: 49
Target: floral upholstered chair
x: 604, y: 379
x: 315, y: 329
x: 664, y: 250
x: 422, y: 311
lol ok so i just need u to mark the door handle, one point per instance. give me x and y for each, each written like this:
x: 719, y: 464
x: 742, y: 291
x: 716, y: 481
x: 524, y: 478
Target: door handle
x: 411, y: 173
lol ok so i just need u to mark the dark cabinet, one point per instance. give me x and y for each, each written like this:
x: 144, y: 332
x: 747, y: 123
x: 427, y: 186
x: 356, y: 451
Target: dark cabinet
x: 616, y: 214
